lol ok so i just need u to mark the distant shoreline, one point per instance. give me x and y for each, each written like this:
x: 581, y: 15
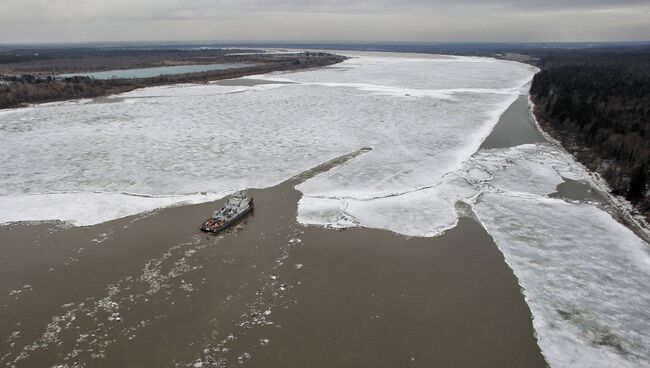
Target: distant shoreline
x: 40, y: 84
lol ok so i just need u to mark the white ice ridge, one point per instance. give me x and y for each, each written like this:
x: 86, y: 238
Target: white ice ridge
x: 174, y: 140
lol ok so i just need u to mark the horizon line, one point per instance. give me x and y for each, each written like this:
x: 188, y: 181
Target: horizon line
x: 323, y: 42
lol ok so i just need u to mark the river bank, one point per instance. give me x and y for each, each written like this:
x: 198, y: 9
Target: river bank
x: 598, y: 189
x: 591, y: 103
x: 22, y: 90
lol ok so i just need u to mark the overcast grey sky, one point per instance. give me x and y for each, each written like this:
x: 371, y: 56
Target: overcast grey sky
x: 323, y: 20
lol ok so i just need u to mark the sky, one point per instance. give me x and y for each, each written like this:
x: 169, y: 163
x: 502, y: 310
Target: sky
x: 43, y: 21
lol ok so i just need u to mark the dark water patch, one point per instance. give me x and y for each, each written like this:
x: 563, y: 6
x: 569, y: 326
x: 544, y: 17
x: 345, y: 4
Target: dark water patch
x: 246, y: 82
x: 577, y: 190
x: 515, y: 127
x: 567, y: 315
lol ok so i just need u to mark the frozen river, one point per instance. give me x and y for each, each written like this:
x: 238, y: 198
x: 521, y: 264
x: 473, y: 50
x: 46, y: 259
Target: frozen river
x: 585, y: 277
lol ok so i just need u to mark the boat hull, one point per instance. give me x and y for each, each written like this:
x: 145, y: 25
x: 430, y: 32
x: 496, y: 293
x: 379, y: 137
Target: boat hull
x: 227, y: 224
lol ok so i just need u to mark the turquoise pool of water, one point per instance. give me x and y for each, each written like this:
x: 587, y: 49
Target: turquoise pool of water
x: 157, y: 71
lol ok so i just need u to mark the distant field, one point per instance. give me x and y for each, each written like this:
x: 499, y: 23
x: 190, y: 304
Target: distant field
x: 72, y: 60
x: 34, y: 75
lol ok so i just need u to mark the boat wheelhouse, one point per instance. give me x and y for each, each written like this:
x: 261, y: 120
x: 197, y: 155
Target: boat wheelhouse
x: 237, y: 206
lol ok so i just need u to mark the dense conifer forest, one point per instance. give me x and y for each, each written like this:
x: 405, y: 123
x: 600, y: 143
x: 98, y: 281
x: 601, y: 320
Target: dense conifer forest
x: 597, y: 103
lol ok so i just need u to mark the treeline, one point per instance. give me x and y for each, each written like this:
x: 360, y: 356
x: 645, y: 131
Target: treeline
x: 597, y: 103
x: 27, y: 89
x: 45, y: 55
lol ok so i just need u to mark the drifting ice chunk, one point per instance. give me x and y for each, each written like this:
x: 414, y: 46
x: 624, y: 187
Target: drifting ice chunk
x: 527, y: 176
x: 529, y: 168
x: 424, y: 212
x: 584, y: 275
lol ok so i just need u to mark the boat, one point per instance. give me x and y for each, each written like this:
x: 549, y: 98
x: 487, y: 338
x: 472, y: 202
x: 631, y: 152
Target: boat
x: 238, y: 205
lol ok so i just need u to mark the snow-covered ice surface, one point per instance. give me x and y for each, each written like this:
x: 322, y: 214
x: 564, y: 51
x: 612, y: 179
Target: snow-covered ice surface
x: 180, y: 140
x: 81, y: 209
x: 584, y: 276
x: 422, y: 212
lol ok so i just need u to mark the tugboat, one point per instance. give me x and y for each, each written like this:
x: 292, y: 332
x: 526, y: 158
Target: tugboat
x: 238, y: 206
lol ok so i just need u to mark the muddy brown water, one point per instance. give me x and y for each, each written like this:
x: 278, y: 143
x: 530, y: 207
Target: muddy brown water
x: 515, y: 127
x: 153, y: 291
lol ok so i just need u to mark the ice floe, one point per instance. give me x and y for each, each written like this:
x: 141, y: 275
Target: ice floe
x: 82, y: 209
x: 422, y: 212
x: 585, y: 278
x: 529, y: 168
x: 583, y: 274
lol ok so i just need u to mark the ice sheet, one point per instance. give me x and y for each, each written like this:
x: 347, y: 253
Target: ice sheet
x: 376, y: 189
x: 82, y: 209
x: 585, y: 278
x: 528, y: 169
x: 422, y: 212
x: 185, y: 139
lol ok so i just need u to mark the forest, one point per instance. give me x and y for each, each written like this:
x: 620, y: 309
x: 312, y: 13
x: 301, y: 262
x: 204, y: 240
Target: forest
x: 597, y: 103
